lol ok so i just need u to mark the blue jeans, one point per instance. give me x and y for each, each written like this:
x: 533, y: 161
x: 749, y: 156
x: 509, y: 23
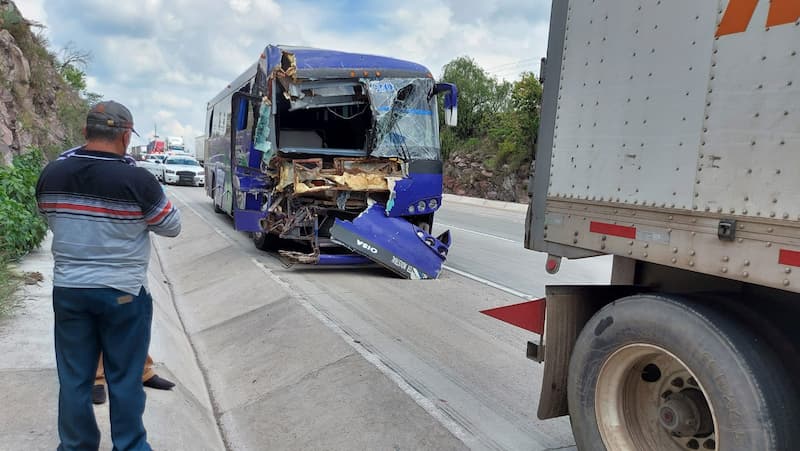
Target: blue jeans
x: 87, y: 321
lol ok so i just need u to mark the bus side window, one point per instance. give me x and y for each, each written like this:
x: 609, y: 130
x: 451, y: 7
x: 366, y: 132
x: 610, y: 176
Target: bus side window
x: 242, y: 114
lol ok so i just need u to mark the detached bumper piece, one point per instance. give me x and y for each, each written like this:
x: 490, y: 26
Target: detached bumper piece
x: 394, y: 243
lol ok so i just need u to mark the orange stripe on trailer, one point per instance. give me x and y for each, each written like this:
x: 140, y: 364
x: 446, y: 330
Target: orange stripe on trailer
x: 737, y: 17
x: 740, y: 12
x: 782, y: 12
x: 527, y: 315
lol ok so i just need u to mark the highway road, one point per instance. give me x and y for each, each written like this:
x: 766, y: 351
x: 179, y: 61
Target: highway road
x: 466, y: 369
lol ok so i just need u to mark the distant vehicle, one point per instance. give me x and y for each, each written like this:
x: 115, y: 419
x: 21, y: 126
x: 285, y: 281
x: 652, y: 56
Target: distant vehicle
x: 139, y: 152
x: 175, y: 144
x: 153, y: 164
x: 335, y: 154
x: 200, y: 148
x: 156, y: 146
x: 182, y: 170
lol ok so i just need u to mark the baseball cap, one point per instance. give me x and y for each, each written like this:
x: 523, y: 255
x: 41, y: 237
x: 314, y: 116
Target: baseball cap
x: 110, y: 114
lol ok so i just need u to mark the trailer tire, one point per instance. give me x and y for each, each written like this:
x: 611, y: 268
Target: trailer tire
x: 627, y: 391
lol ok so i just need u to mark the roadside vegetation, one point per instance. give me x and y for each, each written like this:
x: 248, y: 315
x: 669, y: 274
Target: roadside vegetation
x: 49, y: 108
x: 497, y: 120
x: 23, y: 228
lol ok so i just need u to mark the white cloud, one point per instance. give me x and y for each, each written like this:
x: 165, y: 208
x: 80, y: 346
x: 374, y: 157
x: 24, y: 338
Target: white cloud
x: 166, y: 58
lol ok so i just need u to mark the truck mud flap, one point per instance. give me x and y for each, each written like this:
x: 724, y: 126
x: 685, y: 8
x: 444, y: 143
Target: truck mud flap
x: 394, y: 243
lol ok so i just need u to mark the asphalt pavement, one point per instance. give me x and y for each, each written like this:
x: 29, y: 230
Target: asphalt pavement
x: 468, y: 370
x: 270, y: 357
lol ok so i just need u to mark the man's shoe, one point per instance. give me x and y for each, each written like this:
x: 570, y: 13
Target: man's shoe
x: 159, y: 383
x: 99, y: 394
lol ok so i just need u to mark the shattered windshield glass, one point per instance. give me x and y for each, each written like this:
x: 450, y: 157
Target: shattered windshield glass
x: 406, y: 118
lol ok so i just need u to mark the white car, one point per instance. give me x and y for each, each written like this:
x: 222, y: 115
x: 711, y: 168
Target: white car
x: 153, y: 164
x: 181, y: 169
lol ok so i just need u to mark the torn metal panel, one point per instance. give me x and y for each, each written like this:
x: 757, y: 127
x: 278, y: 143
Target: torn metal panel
x: 394, y: 243
x: 311, y: 176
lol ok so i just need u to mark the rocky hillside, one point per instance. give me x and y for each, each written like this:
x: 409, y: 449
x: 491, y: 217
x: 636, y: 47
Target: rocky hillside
x: 469, y: 174
x: 38, y: 109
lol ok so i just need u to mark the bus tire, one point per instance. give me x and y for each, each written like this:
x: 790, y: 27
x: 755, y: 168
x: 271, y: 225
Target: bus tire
x: 666, y: 373
x: 217, y: 209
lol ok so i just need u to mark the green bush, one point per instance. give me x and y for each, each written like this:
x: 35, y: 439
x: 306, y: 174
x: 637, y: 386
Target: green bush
x: 23, y: 228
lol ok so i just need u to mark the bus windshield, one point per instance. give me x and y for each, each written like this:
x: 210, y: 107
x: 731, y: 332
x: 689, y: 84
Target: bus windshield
x: 407, y: 124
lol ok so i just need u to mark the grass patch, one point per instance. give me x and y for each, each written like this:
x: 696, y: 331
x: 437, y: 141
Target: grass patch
x: 9, y: 283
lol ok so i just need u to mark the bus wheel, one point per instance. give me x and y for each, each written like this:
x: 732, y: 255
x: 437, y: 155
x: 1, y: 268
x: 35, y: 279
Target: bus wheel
x: 661, y: 373
x: 214, y: 200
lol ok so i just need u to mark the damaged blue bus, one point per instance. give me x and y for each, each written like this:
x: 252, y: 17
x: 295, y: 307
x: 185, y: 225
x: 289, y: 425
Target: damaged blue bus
x: 332, y: 158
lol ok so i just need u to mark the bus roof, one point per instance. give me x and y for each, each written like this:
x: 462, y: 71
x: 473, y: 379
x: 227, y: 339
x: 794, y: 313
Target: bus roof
x: 315, y: 63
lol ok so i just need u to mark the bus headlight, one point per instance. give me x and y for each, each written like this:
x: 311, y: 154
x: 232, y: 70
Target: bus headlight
x: 433, y: 204
x: 421, y: 206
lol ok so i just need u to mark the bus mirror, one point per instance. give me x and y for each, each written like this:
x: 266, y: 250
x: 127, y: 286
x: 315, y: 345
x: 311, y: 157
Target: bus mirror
x: 450, y: 102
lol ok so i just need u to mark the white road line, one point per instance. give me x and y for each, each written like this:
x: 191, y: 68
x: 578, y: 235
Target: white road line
x: 488, y: 235
x: 428, y: 405
x: 489, y: 282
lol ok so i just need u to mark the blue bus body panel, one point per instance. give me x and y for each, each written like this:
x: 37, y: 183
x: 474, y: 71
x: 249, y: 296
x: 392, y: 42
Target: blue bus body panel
x: 394, y: 243
x: 319, y: 63
x: 413, y: 192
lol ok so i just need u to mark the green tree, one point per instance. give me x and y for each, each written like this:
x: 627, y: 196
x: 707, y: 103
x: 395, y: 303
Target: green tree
x: 480, y: 96
x: 526, y: 101
x: 74, y: 76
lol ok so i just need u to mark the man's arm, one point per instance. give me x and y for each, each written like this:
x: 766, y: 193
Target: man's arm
x: 162, y: 217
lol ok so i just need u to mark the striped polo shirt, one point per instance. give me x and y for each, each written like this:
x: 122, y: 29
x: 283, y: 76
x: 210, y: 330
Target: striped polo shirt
x: 101, y: 211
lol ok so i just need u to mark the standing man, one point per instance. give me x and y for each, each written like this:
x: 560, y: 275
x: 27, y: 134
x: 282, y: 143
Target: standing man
x: 101, y: 211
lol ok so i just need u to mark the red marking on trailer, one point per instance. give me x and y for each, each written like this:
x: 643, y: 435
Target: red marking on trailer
x: 789, y: 258
x: 613, y: 229
x: 527, y: 315
x: 740, y: 12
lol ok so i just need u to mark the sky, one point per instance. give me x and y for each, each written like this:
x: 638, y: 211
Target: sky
x: 165, y: 59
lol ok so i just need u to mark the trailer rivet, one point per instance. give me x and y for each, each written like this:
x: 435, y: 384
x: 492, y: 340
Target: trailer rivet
x: 674, y: 250
x: 603, y: 246
x: 724, y: 270
x: 772, y: 214
x: 674, y: 260
x: 726, y: 258
x: 745, y: 274
x: 630, y: 252
x: 575, y: 241
x: 604, y: 238
x: 769, y: 244
x: 788, y: 270
x: 630, y: 243
x: 786, y: 216
x: 747, y: 262
x: 744, y: 212
x: 692, y: 252
x: 770, y: 229
x: 645, y: 255
x: 786, y: 282
x: 691, y: 262
x: 740, y: 240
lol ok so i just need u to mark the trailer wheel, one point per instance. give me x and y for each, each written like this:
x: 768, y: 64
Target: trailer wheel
x: 654, y: 373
